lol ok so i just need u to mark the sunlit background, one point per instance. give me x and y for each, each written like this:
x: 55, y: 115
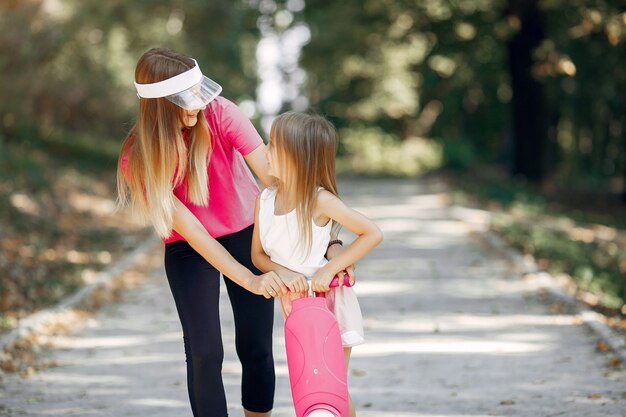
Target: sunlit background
x: 435, y: 81
x: 528, y: 93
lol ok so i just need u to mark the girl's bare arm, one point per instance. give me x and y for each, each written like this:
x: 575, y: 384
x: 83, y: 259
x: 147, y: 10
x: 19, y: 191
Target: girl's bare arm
x: 368, y: 237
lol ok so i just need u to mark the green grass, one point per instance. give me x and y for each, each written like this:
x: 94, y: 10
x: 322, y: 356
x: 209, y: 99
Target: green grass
x: 595, y: 266
x: 6, y: 322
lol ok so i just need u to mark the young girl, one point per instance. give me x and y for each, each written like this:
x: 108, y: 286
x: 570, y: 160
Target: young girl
x: 294, y: 219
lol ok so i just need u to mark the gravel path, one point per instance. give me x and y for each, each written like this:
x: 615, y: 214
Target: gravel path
x: 451, y: 331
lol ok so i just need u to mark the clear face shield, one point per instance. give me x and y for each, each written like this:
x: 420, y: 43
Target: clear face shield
x: 190, y: 89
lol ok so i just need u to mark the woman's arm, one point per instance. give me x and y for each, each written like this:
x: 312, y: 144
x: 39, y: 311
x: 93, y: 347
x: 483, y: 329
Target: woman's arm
x: 257, y: 161
x: 294, y: 281
x: 368, y: 237
x: 188, y: 226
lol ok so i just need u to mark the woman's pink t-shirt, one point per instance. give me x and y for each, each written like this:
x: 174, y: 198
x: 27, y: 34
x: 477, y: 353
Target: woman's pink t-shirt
x: 232, y: 188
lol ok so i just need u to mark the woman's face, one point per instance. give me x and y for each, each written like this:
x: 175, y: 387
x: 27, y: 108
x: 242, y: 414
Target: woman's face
x: 190, y: 117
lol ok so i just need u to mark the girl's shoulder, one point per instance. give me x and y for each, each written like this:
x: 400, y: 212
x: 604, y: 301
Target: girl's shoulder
x: 268, y: 193
x: 327, y: 202
x: 265, y: 203
x: 323, y: 195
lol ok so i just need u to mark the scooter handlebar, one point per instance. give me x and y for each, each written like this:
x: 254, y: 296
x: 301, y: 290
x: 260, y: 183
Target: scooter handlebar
x: 335, y: 281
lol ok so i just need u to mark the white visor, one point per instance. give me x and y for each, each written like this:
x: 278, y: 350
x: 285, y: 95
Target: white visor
x: 190, y: 89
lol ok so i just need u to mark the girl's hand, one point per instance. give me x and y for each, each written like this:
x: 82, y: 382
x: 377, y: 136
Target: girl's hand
x: 268, y: 285
x: 335, y: 250
x: 350, y: 271
x: 321, y: 281
x: 294, y: 281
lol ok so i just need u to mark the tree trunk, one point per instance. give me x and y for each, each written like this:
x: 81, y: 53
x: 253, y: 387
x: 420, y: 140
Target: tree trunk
x: 530, y: 130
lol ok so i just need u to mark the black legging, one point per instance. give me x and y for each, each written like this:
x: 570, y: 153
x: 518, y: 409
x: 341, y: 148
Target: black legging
x: 195, y: 285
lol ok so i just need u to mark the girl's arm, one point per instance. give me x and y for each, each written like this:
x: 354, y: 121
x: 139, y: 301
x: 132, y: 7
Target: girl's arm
x: 335, y: 250
x: 368, y: 237
x: 294, y: 281
x: 257, y: 161
x: 188, y: 226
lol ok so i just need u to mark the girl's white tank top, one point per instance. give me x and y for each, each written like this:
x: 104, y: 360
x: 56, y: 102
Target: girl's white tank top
x: 281, y: 238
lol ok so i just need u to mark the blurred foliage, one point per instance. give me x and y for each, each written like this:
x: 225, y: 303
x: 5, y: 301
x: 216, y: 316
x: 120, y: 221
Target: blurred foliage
x: 58, y: 222
x: 410, y: 68
x: 495, y: 191
x: 371, y: 151
x: 597, y: 267
x: 582, y: 65
x: 413, y: 68
x: 68, y: 101
x: 68, y: 65
x: 459, y: 154
x: 439, y: 68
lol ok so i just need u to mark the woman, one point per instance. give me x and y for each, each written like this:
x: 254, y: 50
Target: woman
x: 183, y: 168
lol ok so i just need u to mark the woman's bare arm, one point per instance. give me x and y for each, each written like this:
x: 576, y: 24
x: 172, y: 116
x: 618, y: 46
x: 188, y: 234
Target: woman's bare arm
x: 188, y: 226
x: 258, y: 163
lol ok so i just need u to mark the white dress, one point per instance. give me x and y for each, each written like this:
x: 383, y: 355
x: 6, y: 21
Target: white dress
x: 280, y: 237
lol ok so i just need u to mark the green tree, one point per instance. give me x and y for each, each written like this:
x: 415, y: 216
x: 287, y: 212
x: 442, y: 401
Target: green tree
x: 536, y: 85
x: 412, y: 68
x: 69, y: 65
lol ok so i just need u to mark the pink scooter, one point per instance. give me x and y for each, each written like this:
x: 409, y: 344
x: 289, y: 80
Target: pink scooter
x: 317, y: 367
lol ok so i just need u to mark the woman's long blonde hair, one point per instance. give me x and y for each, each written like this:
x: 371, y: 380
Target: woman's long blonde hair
x: 155, y: 158
x: 305, y: 145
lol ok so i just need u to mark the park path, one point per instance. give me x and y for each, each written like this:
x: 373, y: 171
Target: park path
x: 452, y: 330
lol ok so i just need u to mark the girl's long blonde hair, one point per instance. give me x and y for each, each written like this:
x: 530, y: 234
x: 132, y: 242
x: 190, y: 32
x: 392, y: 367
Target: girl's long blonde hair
x: 155, y: 158
x: 305, y: 145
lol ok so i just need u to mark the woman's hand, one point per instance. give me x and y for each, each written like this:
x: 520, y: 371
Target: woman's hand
x: 268, y: 285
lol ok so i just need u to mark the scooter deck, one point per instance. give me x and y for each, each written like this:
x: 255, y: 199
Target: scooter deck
x: 317, y: 368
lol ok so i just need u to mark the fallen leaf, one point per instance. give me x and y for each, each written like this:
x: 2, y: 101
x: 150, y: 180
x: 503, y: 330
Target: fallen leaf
x: 507, y: 402
x: 8, y: 366
x: 601, y: 346
x: 557, y: 308
x: 594, y: 396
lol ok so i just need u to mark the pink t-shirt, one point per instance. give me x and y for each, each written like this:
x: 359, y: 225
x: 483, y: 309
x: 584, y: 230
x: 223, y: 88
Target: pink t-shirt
x: 232, y: 188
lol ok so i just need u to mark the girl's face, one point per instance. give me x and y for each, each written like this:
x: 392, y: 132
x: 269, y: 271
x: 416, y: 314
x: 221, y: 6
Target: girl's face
x: 190, y: 117
x: 272, y: 159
